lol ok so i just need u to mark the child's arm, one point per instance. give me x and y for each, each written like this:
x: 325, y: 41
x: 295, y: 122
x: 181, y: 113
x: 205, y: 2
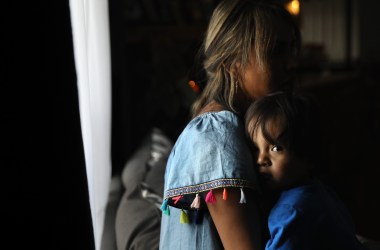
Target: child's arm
x: 238, y: 225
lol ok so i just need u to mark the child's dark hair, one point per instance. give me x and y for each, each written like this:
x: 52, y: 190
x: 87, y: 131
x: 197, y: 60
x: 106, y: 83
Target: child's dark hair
x: 299, y: 130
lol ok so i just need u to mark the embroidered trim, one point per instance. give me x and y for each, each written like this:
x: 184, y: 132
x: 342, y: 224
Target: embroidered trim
x: 207, y: 186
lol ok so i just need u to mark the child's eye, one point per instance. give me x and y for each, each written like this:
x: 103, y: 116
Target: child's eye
x: 276, y: 148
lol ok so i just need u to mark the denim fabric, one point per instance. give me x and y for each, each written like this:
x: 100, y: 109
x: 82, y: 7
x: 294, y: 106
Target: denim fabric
x: 191, y: 236
x: 212, y: 152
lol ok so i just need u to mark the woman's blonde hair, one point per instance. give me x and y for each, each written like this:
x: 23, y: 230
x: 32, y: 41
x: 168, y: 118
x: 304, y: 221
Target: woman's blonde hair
x: 236, y: 28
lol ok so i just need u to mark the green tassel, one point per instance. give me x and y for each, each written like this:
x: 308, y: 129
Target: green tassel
x: 184, y: 219
x: 165, y: 207
x: 167, y: 211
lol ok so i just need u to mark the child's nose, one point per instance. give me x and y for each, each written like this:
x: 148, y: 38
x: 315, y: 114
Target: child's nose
x: 263, y: 160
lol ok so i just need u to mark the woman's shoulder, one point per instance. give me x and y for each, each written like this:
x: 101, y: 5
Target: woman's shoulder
x: 215, y: 121
x: 213, y: 128
x: 212, y: 148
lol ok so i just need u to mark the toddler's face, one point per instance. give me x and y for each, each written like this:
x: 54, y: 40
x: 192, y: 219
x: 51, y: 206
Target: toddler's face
x: 278, y: 168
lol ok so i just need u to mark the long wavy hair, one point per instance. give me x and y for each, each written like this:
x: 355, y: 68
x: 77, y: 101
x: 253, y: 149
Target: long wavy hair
x: 236, y: 28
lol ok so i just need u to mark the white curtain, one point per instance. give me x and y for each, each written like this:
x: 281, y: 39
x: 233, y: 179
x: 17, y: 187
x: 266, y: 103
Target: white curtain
x: 90, y: 26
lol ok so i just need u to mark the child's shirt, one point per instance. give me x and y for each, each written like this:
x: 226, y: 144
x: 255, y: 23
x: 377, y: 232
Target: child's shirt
x: 311, y: 217
x: 212, y: 152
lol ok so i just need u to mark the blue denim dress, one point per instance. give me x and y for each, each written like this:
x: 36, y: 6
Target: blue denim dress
x: 212, y: 152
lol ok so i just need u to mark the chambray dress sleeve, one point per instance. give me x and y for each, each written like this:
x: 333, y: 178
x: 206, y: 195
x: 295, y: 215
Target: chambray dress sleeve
x: 212, y: 152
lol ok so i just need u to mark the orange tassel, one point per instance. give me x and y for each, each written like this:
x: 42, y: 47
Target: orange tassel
x: 225, y: 194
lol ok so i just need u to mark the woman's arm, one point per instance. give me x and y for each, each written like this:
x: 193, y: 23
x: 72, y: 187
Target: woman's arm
x: 238, y: 224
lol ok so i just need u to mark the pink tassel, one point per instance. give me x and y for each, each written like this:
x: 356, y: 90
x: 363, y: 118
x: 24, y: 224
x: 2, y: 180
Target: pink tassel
x: 176, y: 199
x: 210, y: 198
x: 242, y: 196
x: 225, y: 194
x: 196, y: 202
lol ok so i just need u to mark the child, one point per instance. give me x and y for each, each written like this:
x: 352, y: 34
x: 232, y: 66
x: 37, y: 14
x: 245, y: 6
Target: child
x: 307, y: 215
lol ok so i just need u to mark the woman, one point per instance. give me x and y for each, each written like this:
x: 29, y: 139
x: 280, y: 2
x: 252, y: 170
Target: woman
x: 249, y: 50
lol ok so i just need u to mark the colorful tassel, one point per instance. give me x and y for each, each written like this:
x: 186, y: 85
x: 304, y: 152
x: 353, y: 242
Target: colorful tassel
x: 176, y: 199
x: 242, y: 196
x: 197, y: 216
x: 184, y: 219
x: 225, y: 194
x: 167, y: 211
x: 210, y: 198
x: 165, y: 207
x: 196, y: 202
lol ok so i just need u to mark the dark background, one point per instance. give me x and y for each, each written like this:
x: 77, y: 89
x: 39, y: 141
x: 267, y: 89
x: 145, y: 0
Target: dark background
x: 152, y: 50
